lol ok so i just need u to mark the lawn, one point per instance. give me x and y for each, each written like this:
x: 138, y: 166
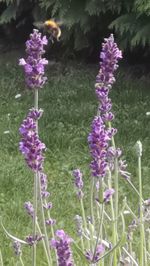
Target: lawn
x: 69, y: 105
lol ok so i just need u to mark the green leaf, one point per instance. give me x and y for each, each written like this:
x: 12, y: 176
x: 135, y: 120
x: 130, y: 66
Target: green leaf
x: 9, y: 13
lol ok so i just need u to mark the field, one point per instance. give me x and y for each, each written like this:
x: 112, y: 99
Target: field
x: 69, y: 105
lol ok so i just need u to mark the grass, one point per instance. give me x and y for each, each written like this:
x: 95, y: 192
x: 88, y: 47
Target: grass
x: 69, y: 105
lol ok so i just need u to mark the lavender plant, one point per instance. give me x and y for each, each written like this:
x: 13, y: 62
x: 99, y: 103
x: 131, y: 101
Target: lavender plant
x: 102, y: 237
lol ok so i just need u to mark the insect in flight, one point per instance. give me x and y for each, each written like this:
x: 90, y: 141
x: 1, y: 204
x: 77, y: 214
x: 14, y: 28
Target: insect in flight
x: 51, y: 27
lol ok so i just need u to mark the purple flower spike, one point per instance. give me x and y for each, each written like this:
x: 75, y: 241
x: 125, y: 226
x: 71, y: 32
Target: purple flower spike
x: 50, y: 221
x: 62, y: 245
x: 78, y: 182
x: 34, y: 64
x: 122, y: 169
x: 109, y: 63
x: 35, y: 114
x: 17, y: 248
x: 108, y: 193
x: 30, y: 145
x: 99, y: 252
x: 48, y: 206
x: 33, y: 240
x: 78, y: 179
x: 100, y: 136
x: 44, y: 192
x: 29, y: 207
x: 98, y: 142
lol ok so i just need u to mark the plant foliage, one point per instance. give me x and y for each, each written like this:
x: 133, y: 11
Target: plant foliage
x: 86, y: 22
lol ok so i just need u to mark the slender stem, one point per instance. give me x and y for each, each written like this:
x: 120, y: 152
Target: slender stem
x: 52, y: 230
x: 141, y: 215
x: 21, y: 261
x: 35, y: 189
x: 1, y: 259
x: 43, y: 221
x: 130, y: 249
x: 132, y: 213
x: 116, y: 191
x: 82, y: 244
x: 91, y: 201
x: 136, y: 264
x: 92, y: 223
x: 44, y: 246
x: 114, y: 233
x: 115, y: 180
x: 84, y: 219
x: 145, y: 249
x: 99, y: 231
x: 49, y: 217
x: 131, y: 184
x: 35, y: 217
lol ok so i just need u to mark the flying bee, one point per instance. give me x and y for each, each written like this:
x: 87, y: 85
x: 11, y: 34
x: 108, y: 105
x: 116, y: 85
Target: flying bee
x: 51, y: 27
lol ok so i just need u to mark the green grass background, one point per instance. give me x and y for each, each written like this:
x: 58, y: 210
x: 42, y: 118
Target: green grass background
x: 69, y: 105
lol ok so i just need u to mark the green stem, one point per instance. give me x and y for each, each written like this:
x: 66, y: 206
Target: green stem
x: 91, y: 201
x: 130, y: 249
x: 52, y: 230
x: 44, y: 246
x: 84, y: 220
x: 131, y: 184
x: 145, y: 248
x: 135, y: 263
x: 21, y: 261
x: 35, y: 217
x: 49, y: 217
x: 43, y: 222
x: 99, y: 231
x: 141, y: 215
x: 115, y: 180
x: 35, y: 189
x: 129, y: 209
x: 113, y: 220
x: 1, y: 259
x: 116, y: 191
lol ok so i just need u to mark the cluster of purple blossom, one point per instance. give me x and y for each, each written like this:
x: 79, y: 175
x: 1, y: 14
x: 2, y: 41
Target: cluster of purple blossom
x: 34, y: 64
x: 62, y: 244
x: 101, y: 135
x: 31, y: 146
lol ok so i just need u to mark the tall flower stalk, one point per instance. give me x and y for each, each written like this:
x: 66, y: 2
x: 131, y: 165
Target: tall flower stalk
x: 102, y: 133
x: 30, y: 145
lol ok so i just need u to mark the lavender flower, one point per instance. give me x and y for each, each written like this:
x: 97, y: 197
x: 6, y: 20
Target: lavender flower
x: 122, y: 169
x: 98, y: 142
x: 35, y: 114
x: 31, y: 240
x: 44, y: 192
x: 108, y: 193
x: 50, y: 221
x: 78, y: 178
x: 110, y: 55
x: 31, y: 146
x: 99, y: 251
x: 17, y: 248
x: 79, y: 222
x: 48, y: 205
x: 78, y: 182
x: 62, y: 245
x: 99, y: 139
x: 29, y: 207
x: 34, y: 64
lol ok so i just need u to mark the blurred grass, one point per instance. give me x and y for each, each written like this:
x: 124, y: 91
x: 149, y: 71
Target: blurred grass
x: 69, y: 105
